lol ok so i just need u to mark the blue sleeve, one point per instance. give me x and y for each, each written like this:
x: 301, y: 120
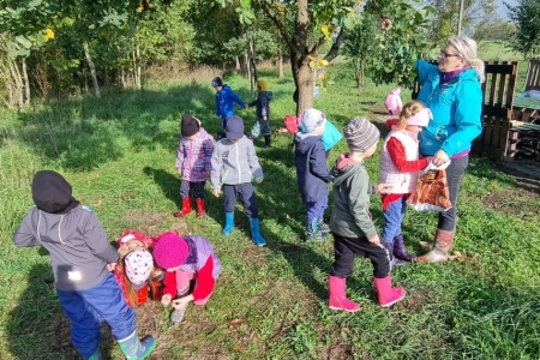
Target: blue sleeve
x: 317, y: 163
x: 467, y: 117
x: 425, y: 69
x: 234, y: 97
x: 218, y: 110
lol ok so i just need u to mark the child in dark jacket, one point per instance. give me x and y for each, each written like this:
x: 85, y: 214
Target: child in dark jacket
x: 225, y: 99
x: 312, y: 172
x: 193, y: 164
x: 263, y: 114
x: 234, y: 166
x: 351, y: 223
x: 81, y: 258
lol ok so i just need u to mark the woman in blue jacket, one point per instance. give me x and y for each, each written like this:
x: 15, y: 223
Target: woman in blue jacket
x: 452, y: 91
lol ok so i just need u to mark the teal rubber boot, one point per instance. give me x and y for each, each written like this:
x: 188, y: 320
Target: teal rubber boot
x: 134, y: 349
x: 256, y: 232
x: 229, y: 223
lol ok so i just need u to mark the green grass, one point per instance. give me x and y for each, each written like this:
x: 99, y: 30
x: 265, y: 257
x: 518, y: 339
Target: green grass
x: 119, y: 153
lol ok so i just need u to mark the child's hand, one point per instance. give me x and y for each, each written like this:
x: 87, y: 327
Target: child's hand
x: 384, y: 188
x: 259, y: 180
x: 265, y: 118
x: 374, y: 239
x: 166, y: 299
x: 216, y: 192
x: 111, y: 266
x: 180, y: 172
x: 247, y: 106
x: 182, y: 303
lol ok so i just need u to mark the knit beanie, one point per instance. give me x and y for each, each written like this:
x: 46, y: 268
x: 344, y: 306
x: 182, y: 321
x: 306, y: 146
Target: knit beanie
x: 311, y: 120
x: 217, y: 81
x: 189, y: 125
x: 52, y: 193
x: 361, y: 134
x: 170, y: 251
x: 139, y: 264
x: 262, y: 85
x: 234, y: 128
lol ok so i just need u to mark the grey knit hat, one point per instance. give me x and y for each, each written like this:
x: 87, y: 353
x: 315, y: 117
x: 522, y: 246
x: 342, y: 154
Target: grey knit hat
x: 361, y: 134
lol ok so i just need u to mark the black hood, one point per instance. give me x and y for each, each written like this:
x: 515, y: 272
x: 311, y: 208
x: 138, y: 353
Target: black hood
x: 52, y: 193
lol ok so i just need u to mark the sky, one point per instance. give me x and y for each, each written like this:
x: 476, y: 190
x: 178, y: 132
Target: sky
x: 502, y: 11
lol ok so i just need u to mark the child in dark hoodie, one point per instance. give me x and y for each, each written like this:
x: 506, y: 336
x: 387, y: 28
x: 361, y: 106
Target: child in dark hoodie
x: 312, y: 172
x: 225, y: 99
x: 263, y: 114
x: 81, y: 258
x: 351, y: 223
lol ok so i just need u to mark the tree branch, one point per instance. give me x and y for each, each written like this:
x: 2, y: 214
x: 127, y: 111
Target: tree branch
x: 334, y: 50
x: 279, y: 25
x: 317, y: 46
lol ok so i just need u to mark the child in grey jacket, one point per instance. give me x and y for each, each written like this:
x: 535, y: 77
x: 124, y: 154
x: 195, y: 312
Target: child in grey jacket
x: 234, y: 165
x: 81, y: 259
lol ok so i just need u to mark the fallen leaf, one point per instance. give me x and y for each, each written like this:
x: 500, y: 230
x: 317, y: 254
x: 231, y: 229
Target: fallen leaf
x: 236, y: 322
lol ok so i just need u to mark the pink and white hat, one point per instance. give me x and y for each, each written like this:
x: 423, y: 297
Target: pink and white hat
x: 139, y: 265
x: 421, y: 118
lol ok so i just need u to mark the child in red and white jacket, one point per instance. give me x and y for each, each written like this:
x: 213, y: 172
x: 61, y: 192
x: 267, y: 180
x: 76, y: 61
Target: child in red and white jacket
x: 185, y: 259
x: 400, y: 167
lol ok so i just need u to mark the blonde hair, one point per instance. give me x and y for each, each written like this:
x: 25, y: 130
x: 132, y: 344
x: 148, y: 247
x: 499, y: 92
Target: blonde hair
x: 410, y: 109
x: 467, y: 48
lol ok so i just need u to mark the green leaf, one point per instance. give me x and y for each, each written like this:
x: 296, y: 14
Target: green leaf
x: 23, y: 41
x: 348, y: 23
x: 35, y: 3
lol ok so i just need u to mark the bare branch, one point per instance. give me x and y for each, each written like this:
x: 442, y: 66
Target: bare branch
x: 334, y: 50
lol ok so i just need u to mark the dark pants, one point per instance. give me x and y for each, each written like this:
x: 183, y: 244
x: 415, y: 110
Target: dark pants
x: 393, y: 217
x: 192, y: 188
x: 346, y: 249
x: 86, y: 308
x: 454, y: 174
x: 247, y: 196
x: 315, y: 213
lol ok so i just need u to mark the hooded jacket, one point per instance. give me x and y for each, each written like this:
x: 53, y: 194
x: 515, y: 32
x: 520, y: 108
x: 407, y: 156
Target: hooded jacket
x: 352, y: 190
x: 263, y: 104
x: 234, y: 163
x: 193, y: 156
x: 225, y: 100
x: 311, y: 170
x: 456, y: 107
x: 73, y: 235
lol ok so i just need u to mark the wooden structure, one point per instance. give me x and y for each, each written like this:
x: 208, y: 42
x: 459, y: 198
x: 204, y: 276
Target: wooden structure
x: 498, y: 94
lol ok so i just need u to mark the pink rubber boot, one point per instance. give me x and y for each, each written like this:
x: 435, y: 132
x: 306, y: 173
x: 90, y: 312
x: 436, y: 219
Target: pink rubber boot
x: 338, y: 297
x: 386, y: 294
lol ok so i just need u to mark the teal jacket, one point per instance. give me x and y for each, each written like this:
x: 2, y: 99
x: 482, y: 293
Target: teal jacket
x: 456, y: 108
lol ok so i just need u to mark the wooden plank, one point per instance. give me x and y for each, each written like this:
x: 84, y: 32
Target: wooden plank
x: 492, y: 88
x: 497, y: 68
x: 486, y: 135
x: 503, y: 139
x: 496, y: 132
x: 503, y: 79
x: 512, y: 84
x: 492, y: 110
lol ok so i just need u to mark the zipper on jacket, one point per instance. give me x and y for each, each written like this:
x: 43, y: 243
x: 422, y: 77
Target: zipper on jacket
x: 238, y: 164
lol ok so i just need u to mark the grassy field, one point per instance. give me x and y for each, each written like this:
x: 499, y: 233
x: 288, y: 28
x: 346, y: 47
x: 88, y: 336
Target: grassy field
x: 269, y: 303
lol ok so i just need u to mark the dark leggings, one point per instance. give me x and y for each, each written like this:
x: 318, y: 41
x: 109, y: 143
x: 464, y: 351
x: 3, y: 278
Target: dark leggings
x: 454, y: 174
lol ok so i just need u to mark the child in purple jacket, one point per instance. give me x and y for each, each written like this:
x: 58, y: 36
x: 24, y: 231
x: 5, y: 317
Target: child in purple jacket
x: 193, y: 164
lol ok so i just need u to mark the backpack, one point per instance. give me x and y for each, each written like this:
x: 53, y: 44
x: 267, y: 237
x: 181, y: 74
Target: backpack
x: 291, y: 123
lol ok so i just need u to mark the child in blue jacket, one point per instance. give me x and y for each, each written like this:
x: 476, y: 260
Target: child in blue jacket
x: 225, y: 99
x: 312, y: 172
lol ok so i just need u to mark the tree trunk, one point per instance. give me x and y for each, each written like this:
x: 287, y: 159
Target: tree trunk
x: 26, y: 82
x: 138, y: 61
x: 237, y: 63
x: 304, y: 84
x: 362, y: 73
x: 123, y: 78
x: 280, y: 65
x: 19, y: 87
x: 248, y: 66
x: 92, y: 68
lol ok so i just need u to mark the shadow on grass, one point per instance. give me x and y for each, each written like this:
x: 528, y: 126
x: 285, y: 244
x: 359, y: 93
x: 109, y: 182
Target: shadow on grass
x: 38, y: 328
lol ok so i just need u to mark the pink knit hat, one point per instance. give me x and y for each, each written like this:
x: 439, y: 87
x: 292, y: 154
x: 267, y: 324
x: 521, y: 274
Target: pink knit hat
x: 170, y: 250
x: 421, y: 118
